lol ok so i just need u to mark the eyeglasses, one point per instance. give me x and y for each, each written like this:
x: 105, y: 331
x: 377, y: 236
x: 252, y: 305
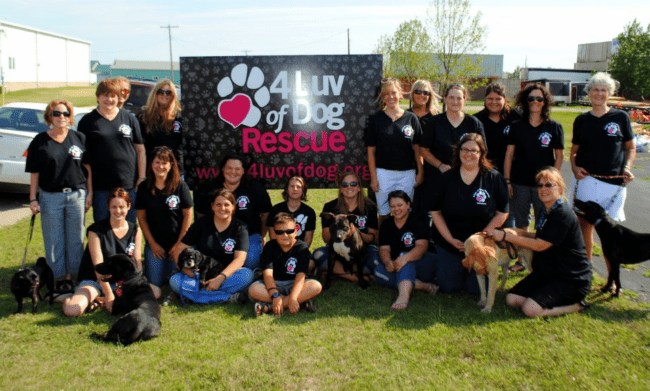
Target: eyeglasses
x: 472, y: 151
x: 547, y: 185
x: 284, y: 231
x: 164, y: 92
x: 57, y: 113
x: 348, y: 184
x: 422, y: 92
x: 540, y: 99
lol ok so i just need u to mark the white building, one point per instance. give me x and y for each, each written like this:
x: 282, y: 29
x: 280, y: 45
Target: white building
x: 33, y: 58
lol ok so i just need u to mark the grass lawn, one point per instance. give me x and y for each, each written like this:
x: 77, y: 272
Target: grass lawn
x: 354, y: 341
x: 78, y: 96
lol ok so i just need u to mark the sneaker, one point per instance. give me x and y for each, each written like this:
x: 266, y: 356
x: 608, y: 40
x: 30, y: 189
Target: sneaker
x: 238, y: 297
x: 261, y: 308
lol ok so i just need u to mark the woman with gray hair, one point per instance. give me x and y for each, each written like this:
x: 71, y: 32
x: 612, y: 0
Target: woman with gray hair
x: 602, y: 154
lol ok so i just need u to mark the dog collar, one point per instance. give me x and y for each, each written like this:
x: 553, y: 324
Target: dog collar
x: 352, y: 228
x: 597, y: 221
x: 118, y: 288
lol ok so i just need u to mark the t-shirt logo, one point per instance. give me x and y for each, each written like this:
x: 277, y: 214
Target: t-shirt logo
x: 506, y: 130
x: 291, y: 265
x: 173, y: 201
x: 612, y: 129
x: 545, y: 138
x: 242, y: 202
x: 408, y: 239
x: 408, y: 131
x: 176, y: 127
x: 130, y: 249
x: 301, y: 223
x: 481, y: 196
x: 75, y: 152
x: 229, y: 246
x: 361, y: 222
x: 125, y: 130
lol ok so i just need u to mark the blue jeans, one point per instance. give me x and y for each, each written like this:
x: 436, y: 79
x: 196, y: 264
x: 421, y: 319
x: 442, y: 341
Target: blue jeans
x: 424, y: 269
x: 254, y: 252
x: 321, y: 255
x: 452, y: 276
x: 157, y: 270
x: 100, y: 205
x: 62, y: 221
x: 238, y: 281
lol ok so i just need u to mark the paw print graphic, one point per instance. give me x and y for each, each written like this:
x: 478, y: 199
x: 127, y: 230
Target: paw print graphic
x: 241, y: 109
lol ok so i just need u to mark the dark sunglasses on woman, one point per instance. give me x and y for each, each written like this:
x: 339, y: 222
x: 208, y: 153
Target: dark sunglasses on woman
x: 542, y: 185
x: 422, y: 92
x: 164, y: 92
x: 348, y: 184
x: 56, y: 113
x: 536, y: 98
x: 284, y: 231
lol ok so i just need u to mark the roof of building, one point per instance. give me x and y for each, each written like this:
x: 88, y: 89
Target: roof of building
x: 26, y: 28
x: 144, y: 65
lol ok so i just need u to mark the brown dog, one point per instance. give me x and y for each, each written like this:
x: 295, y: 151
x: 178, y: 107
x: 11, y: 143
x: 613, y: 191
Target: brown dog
x: 484, y: 256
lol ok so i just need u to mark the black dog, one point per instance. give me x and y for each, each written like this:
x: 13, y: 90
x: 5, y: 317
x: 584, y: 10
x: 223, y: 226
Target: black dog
x: 207, y: 267
x: 620, y: 245
x: 345, y: 246
x: 134, y: 301
x: 28, y: 282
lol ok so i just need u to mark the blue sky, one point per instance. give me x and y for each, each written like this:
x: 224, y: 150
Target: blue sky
x: 545, y: 34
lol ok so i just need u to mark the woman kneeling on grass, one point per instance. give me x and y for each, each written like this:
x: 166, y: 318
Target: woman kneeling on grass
x: 561, y: 275
x: 285, y: 261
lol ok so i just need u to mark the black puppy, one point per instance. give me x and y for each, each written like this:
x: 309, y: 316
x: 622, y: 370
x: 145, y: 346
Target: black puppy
x: 345, y: 246
x: 28, y: 282
x: 620, y: 245
x: 207, y: 267
x: 134, y: 301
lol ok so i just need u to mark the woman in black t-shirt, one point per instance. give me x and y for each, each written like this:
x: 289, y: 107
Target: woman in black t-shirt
x: 392, y: 139
x: 225, y: 238
x: 56, y: 160
x: 561, y: 275
x: 294, y: 193
x: 164, y: 209
x: 470, y: 197
x: 160, y: 121
x: 112, y: 236
x: 534, y: 142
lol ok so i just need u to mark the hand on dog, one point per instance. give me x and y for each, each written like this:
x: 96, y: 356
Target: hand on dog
x: 496, y: 234
x: 460, y: 246
x: 157, y: 251
x: 278, y: 309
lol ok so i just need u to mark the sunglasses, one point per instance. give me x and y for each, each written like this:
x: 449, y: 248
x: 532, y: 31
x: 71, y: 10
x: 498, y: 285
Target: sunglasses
x: 348, y: 184
x: 536, y: 98
x: 284, y: 231
x: 543, y: 185
x: 164, y: 92
x: 56, y: 113
x: 422, y: 92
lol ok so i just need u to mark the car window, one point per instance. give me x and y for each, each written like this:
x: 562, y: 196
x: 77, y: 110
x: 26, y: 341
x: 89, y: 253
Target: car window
x: 26, y: 120
x: 139, y: 96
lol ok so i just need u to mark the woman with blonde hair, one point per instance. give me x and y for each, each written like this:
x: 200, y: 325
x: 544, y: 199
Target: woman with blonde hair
x: 160, y: 121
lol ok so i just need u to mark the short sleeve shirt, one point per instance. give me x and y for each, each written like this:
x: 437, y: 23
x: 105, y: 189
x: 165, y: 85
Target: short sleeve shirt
x: 286, y: 265
x: 402, y: 239
x: 203, y: 236
x: 442, y: 136
x: 109, y: 244
x: 305, y: 217
x: 158, y: 136
x: 363, y: 221
x: 393, y: 140
x: 534, y: 149
x: 496, y: 136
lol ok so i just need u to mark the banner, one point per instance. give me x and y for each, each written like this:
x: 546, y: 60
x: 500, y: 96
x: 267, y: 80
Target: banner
x: 291, y: 115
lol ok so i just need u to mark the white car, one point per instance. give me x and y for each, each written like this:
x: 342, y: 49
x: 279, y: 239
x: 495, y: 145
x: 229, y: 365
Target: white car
x: 19, y: 123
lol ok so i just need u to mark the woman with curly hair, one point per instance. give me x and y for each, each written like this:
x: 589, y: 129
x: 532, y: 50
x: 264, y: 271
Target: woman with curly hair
x: 534, y: 142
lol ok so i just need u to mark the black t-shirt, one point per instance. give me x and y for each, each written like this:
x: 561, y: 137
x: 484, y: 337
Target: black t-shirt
x: 111, y: 146
x: 305, y: 217
x: 402, y: 239
x: 164, y: 212
x: 468, y: 209
x: 363, y: 221
x: 602, y: 143
x: 158, y: 137
x: 534, y: 149
x: 496, y: 135
x: 286, y: 265
x: 110, y: 245
x: 393, y: 140
x: 442, y: 136
x: 203, y: 236
x: 59, y: 165
x: 424, y: 120
x: 567, y: 258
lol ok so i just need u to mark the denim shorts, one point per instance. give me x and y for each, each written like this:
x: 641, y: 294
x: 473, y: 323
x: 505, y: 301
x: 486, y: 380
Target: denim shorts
x: 94, y: 284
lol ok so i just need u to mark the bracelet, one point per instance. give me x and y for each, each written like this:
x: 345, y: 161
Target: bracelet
x: 224, y: 276
x: 439, y: 165
x: 273, y: 287
x: 30, y: 201
x: 508, y: 180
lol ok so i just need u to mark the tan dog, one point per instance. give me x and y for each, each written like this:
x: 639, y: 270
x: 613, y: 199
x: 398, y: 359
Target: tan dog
x: 484, y: 256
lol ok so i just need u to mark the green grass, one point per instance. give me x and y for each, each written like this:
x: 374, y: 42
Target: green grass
x: 646, y: 273
x: 354, y: 341
x: 78, y: 96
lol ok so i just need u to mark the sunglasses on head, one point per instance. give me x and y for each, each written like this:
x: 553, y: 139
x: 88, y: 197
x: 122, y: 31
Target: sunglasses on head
x: 547, y: 185
x: 57, y: 113
x: 284, y: 231
x: 164, y: 92
x: 348, y: 184
x: 422, y: 92
x: 536, y: 98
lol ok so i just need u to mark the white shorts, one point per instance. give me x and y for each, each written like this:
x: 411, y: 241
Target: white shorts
x: 610, y: 197
x: 390, y: 180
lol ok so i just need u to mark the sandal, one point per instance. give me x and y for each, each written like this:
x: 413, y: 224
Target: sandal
x: 309, y: 306
x: 262, y: 308
x: 432, y: 289
x: 517, y: 267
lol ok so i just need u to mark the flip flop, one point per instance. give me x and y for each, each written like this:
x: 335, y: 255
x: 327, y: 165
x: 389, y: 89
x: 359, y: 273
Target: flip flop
x: 261, y: 308
x: 309, y: 306
x: 432, y: 289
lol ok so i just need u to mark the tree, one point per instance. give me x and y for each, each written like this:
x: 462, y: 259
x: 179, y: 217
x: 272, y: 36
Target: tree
x: 456, y: 34
x: 407, y: 53
x: 514, y: 74
x: 631, y: 63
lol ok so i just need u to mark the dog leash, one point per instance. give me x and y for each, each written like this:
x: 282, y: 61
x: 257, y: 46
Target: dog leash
x: 29, y: 239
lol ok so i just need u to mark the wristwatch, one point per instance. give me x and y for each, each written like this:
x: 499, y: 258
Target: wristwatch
x: 276, y: 294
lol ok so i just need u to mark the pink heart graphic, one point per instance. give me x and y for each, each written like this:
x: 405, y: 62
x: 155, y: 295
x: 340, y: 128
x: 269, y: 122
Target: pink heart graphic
x: 235, y: 110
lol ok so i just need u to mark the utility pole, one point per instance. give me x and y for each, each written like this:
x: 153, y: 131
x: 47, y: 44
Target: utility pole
x: 348, y: 42
x: 246, y: 52
x: 169, y: 27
